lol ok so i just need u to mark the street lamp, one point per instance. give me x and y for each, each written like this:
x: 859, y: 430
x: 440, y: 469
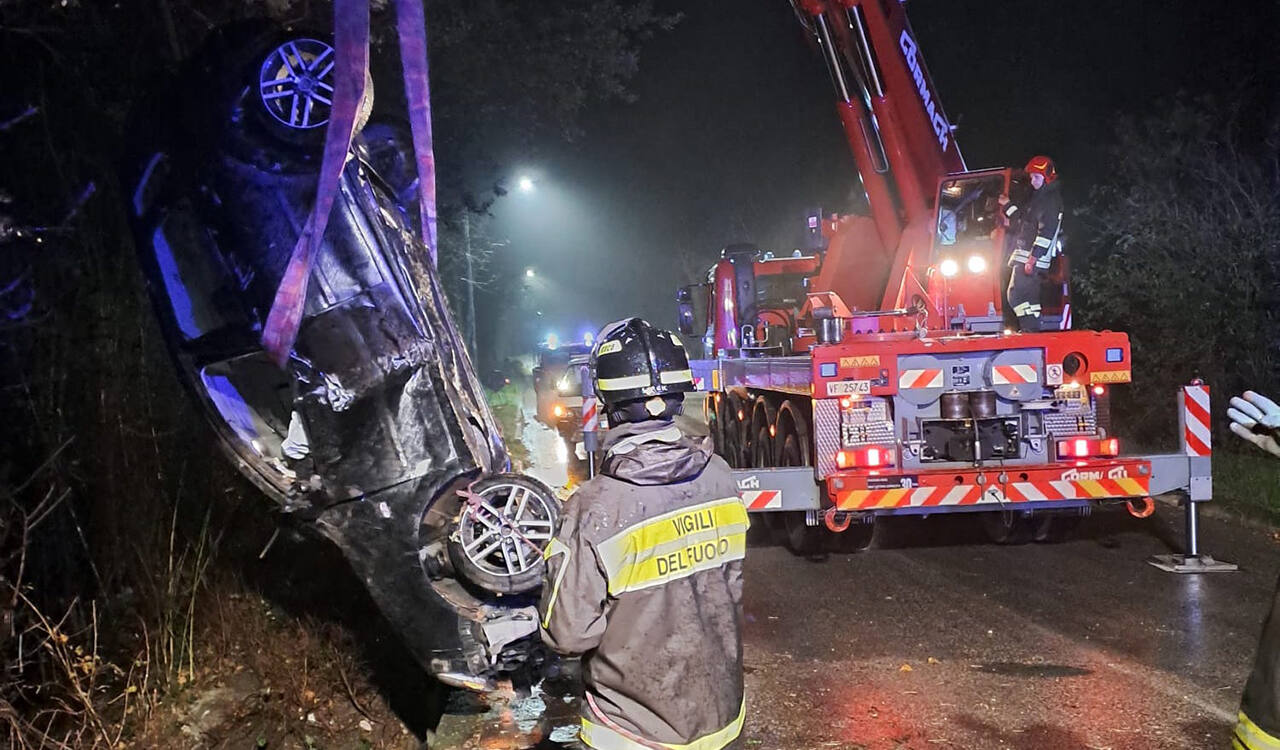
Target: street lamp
x: 525, y: 183
x: 528, y: 273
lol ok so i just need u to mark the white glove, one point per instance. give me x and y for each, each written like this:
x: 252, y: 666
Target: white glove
x: 1256, y: 418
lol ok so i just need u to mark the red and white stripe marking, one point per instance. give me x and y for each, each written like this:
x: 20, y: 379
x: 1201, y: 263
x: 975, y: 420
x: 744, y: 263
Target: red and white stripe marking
x: 762, y: 499
x: 1196, y: 436
x: 1014, y: 492
x: 1014, y: 374
x: 910, y: 379
x: 1065, y: 323
x: 590, y: 414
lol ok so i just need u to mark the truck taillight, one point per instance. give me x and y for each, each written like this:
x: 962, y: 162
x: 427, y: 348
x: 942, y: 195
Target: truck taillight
x: 864, y: 458
x: 1088, y: 448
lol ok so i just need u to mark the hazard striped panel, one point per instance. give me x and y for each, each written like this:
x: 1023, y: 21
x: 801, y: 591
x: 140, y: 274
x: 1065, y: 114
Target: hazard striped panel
x: 1014, y: 374
x: 762, y: 499
x: 920, y: 379
x: 1196, y: 438
x: 1015, y: 492
x: 590, y: 414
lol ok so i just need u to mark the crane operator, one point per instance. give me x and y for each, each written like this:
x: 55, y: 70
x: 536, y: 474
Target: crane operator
x: 1034, y: 231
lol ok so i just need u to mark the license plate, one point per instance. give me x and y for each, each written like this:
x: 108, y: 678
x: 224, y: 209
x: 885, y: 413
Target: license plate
x: 849, y: 388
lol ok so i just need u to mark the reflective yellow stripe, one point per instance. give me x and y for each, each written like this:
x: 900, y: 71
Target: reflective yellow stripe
x: 676, y: 376
x: 675, y: 545
x: 1131, y: 486
x: 620, y: 384
x: 601, y: 737
x: 1251, y: 736
x: 556, y: 547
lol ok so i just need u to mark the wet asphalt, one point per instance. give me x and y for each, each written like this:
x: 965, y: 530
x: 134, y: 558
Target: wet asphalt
x: 937, y: 638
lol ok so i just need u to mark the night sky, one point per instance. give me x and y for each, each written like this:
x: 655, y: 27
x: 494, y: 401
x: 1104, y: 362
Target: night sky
x: 733, y: 131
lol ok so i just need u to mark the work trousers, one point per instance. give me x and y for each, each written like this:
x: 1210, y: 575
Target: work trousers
x: 1258, y: 725
x: 1023, y: 296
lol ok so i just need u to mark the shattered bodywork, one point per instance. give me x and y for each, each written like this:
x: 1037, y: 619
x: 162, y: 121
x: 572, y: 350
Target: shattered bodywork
x: 377, y: 425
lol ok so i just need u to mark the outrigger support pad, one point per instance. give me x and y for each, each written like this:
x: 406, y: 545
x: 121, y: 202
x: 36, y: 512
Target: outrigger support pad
x: 1194, y: 431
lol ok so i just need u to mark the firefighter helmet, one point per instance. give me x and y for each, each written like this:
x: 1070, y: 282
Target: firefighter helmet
x: 639, y: 372
x: 1042, y: 165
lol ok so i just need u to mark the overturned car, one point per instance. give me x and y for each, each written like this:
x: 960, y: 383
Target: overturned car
x: 377, y: 434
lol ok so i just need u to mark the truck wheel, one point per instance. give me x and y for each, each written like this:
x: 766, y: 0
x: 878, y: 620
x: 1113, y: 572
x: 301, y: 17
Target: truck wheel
x: 1004, y: 528
x: 502, y: 532
x: 732, y: 429
x: 799, y: 537
x: 762, y: 450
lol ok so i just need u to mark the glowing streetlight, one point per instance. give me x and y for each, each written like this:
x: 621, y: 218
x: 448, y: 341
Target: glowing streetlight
x: 528, y: 273
x: 525, y: 183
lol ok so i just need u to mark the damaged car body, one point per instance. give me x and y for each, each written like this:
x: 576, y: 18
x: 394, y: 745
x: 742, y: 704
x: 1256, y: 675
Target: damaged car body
x: 377, y: 434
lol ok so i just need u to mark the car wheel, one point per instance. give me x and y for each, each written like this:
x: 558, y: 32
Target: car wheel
x: 505, y: 524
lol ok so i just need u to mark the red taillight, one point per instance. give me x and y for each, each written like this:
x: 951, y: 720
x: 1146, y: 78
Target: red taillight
x: 864, y: 458
x: 1099, y: 390
x: 846, y: 402
x: 1088, y: 448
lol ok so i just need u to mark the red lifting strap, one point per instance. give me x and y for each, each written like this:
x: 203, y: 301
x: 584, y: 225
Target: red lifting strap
x: 412, y: 27
x: 351, y: 52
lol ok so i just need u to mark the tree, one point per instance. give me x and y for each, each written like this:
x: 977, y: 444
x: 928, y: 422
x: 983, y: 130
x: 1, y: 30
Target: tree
x: 1186, y: 253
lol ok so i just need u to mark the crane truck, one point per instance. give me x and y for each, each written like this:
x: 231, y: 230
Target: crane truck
x: 874, y: 374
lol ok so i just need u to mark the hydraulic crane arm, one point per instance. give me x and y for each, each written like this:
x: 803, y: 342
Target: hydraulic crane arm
x: 873, y: 55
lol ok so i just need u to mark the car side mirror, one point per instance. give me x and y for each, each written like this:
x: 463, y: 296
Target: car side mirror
x: 686, y: 318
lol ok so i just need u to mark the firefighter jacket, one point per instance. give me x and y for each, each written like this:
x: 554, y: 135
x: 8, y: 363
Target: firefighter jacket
x: 644, y: 578
x: 1258, y: 723
x: 1036, y: 229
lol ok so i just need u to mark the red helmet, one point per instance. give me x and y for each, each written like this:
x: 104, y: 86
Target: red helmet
x: 1042, y: 165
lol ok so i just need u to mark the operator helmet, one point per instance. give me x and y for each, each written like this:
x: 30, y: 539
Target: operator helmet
x: 639, y: 372
x: 1042, y: 165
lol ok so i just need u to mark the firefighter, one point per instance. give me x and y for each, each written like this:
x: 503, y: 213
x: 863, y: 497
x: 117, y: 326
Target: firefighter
x: 644, y: 575
x: 1256, y: 419
x: 1033, y: 230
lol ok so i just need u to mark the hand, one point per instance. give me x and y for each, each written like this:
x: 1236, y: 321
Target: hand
x: 1029, y: 267
x: 1256, y: 418
x: 1003, y: 201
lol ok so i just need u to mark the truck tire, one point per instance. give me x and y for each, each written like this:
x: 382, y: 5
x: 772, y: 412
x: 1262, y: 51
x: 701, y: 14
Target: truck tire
x: 498, y: 541
x: 799, y: 537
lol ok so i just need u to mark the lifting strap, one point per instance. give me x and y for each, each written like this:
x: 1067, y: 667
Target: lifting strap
x: 351, y: 53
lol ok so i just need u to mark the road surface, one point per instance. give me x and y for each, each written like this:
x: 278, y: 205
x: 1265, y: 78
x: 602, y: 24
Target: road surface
x: 935, y: 638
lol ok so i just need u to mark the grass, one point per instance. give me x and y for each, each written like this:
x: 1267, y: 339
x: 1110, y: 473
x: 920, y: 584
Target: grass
x: 1249, y: 483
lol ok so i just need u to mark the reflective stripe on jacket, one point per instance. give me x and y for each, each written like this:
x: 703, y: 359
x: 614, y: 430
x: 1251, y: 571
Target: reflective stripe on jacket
x: 1039, y: 227
x: 644, y: 578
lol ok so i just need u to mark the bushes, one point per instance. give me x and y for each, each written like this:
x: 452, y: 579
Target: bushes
x: 1186, y: 257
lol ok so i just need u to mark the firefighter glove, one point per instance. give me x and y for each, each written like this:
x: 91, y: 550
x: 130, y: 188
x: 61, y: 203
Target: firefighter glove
x: 1256, y: 418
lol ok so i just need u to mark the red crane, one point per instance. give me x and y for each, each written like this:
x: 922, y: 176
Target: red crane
x: 874, y: 374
